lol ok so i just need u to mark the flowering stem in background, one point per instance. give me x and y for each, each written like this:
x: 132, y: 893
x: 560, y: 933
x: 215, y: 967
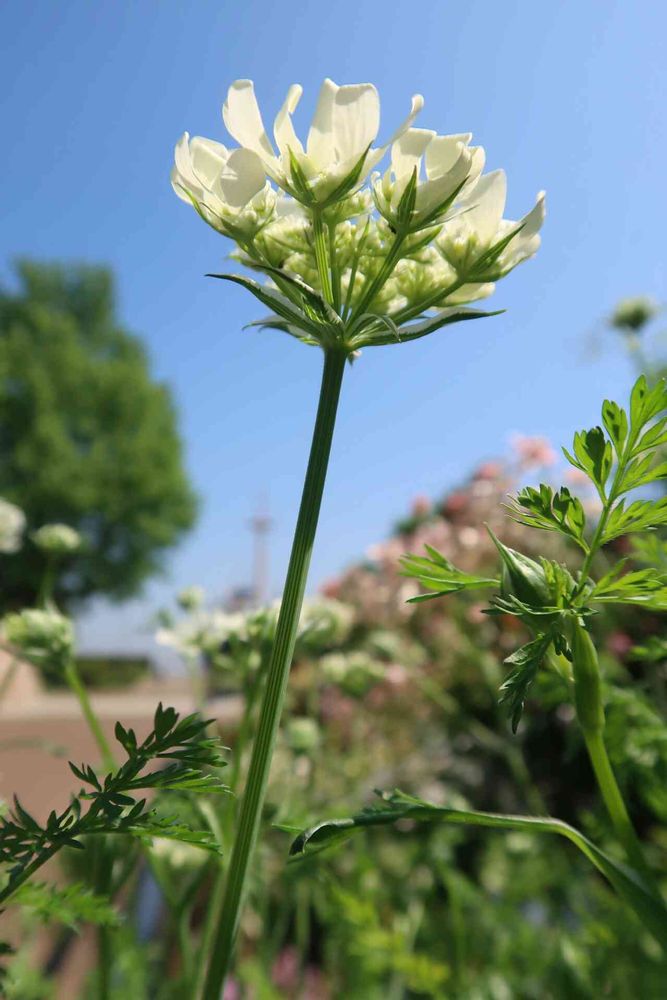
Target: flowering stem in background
x: 277, y: 676
x: 48, y: 582
x: 78, y: 688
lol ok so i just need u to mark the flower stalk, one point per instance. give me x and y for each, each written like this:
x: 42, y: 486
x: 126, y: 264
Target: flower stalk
x: 277, y: 677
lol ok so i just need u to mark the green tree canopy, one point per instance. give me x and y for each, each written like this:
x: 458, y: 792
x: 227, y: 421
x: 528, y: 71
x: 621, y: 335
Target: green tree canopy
x: 87, y: 437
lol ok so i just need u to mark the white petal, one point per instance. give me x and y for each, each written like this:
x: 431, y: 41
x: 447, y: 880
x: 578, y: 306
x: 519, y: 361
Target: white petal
x: 283, y: 129
x: 243, y: 177
x: 208, y: 159
x: 534, y: 220
x: 183, y: 167
x: 487, y: 202
x: 179, y: 186
x: 319, y: 145
x: 407, y: 151
x: 443, y: 153
x: 355, y: 119
x: 376, y: 155
x: 242, y: 117
x: 415, y: 107
x: 434, y: 192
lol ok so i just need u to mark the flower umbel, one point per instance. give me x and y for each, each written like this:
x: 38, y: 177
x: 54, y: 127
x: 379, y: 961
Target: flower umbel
x: 354, y: 263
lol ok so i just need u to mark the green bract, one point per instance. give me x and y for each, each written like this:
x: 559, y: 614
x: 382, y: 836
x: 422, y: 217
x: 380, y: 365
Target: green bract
x: 354, y: 259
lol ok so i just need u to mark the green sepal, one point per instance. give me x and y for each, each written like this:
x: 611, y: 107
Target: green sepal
x: 523, y: 577
x: 414, y: 331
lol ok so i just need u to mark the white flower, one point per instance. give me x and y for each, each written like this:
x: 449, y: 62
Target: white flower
x: 227, y: 187
x: 338, y: 152
x: 478, y: 242
x: 44, y: 636
x: 449, y: 164
x: 190, y: 598
x: 57, y: 539
x: 12, y: 524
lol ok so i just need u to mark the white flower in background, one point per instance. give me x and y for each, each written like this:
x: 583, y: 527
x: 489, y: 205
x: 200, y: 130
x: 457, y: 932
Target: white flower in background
x: 43, y: 636
x: 324, y: 622
x: 338, y: 153
x: 57, y: 539
x: 190, y: 598
x: 228, y: 188
x: 12, y: 525
x: 478, y: 242
x: 203, y: 633
x: 449, y: 164
x: 302, y: 735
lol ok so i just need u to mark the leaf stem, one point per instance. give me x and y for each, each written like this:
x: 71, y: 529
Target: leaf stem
x: 277, y: 676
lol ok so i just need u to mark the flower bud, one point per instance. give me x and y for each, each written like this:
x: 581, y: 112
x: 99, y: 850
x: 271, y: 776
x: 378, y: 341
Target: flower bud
x: 302, y: 735
x: 522, y: 577
x: 190, y: 598
x: 57, y: 539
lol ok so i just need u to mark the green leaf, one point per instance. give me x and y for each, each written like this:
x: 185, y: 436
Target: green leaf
x: 398, y: 806
x: 645, y: 587
x: 646, y: 403
x: 525, y: 663
x: 638, y: 516
x: 71, y: 906
x: 594, y: 456
x: 541, y: 508
x: 615, y: 420
x: 439, y: 575
x: 654, y: 437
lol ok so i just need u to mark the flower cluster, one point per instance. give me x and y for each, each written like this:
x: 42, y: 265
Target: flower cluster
x: 12, y: 525
x: 42, y: 635
x: 234, y: 642
x: 57, y: 539
x: 354, y: 256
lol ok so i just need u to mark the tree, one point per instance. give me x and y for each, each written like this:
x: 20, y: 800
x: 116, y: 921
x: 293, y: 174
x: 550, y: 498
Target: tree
x: 87, y: 437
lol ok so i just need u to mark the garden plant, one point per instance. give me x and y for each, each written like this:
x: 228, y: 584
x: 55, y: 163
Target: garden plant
x: 347, y: 258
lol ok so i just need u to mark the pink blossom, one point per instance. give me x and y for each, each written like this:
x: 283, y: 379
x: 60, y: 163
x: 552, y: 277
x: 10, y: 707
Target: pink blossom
x: 488, y: 470
x: 619, y: 643
x: 533, y: 451
x: 421, y: 505
x: 232, y: 990
x: 285, y: 969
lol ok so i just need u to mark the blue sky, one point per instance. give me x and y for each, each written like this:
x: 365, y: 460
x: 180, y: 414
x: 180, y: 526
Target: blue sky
x: 569, y: 97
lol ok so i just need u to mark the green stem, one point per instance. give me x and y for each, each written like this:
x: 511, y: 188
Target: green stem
x: 322, y: 256
x: 277, y: 675
x: 381, y: 278
x: 335, y: 271
x: 613, y: 800
x: 76, y: 685
x: 47, y: 585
